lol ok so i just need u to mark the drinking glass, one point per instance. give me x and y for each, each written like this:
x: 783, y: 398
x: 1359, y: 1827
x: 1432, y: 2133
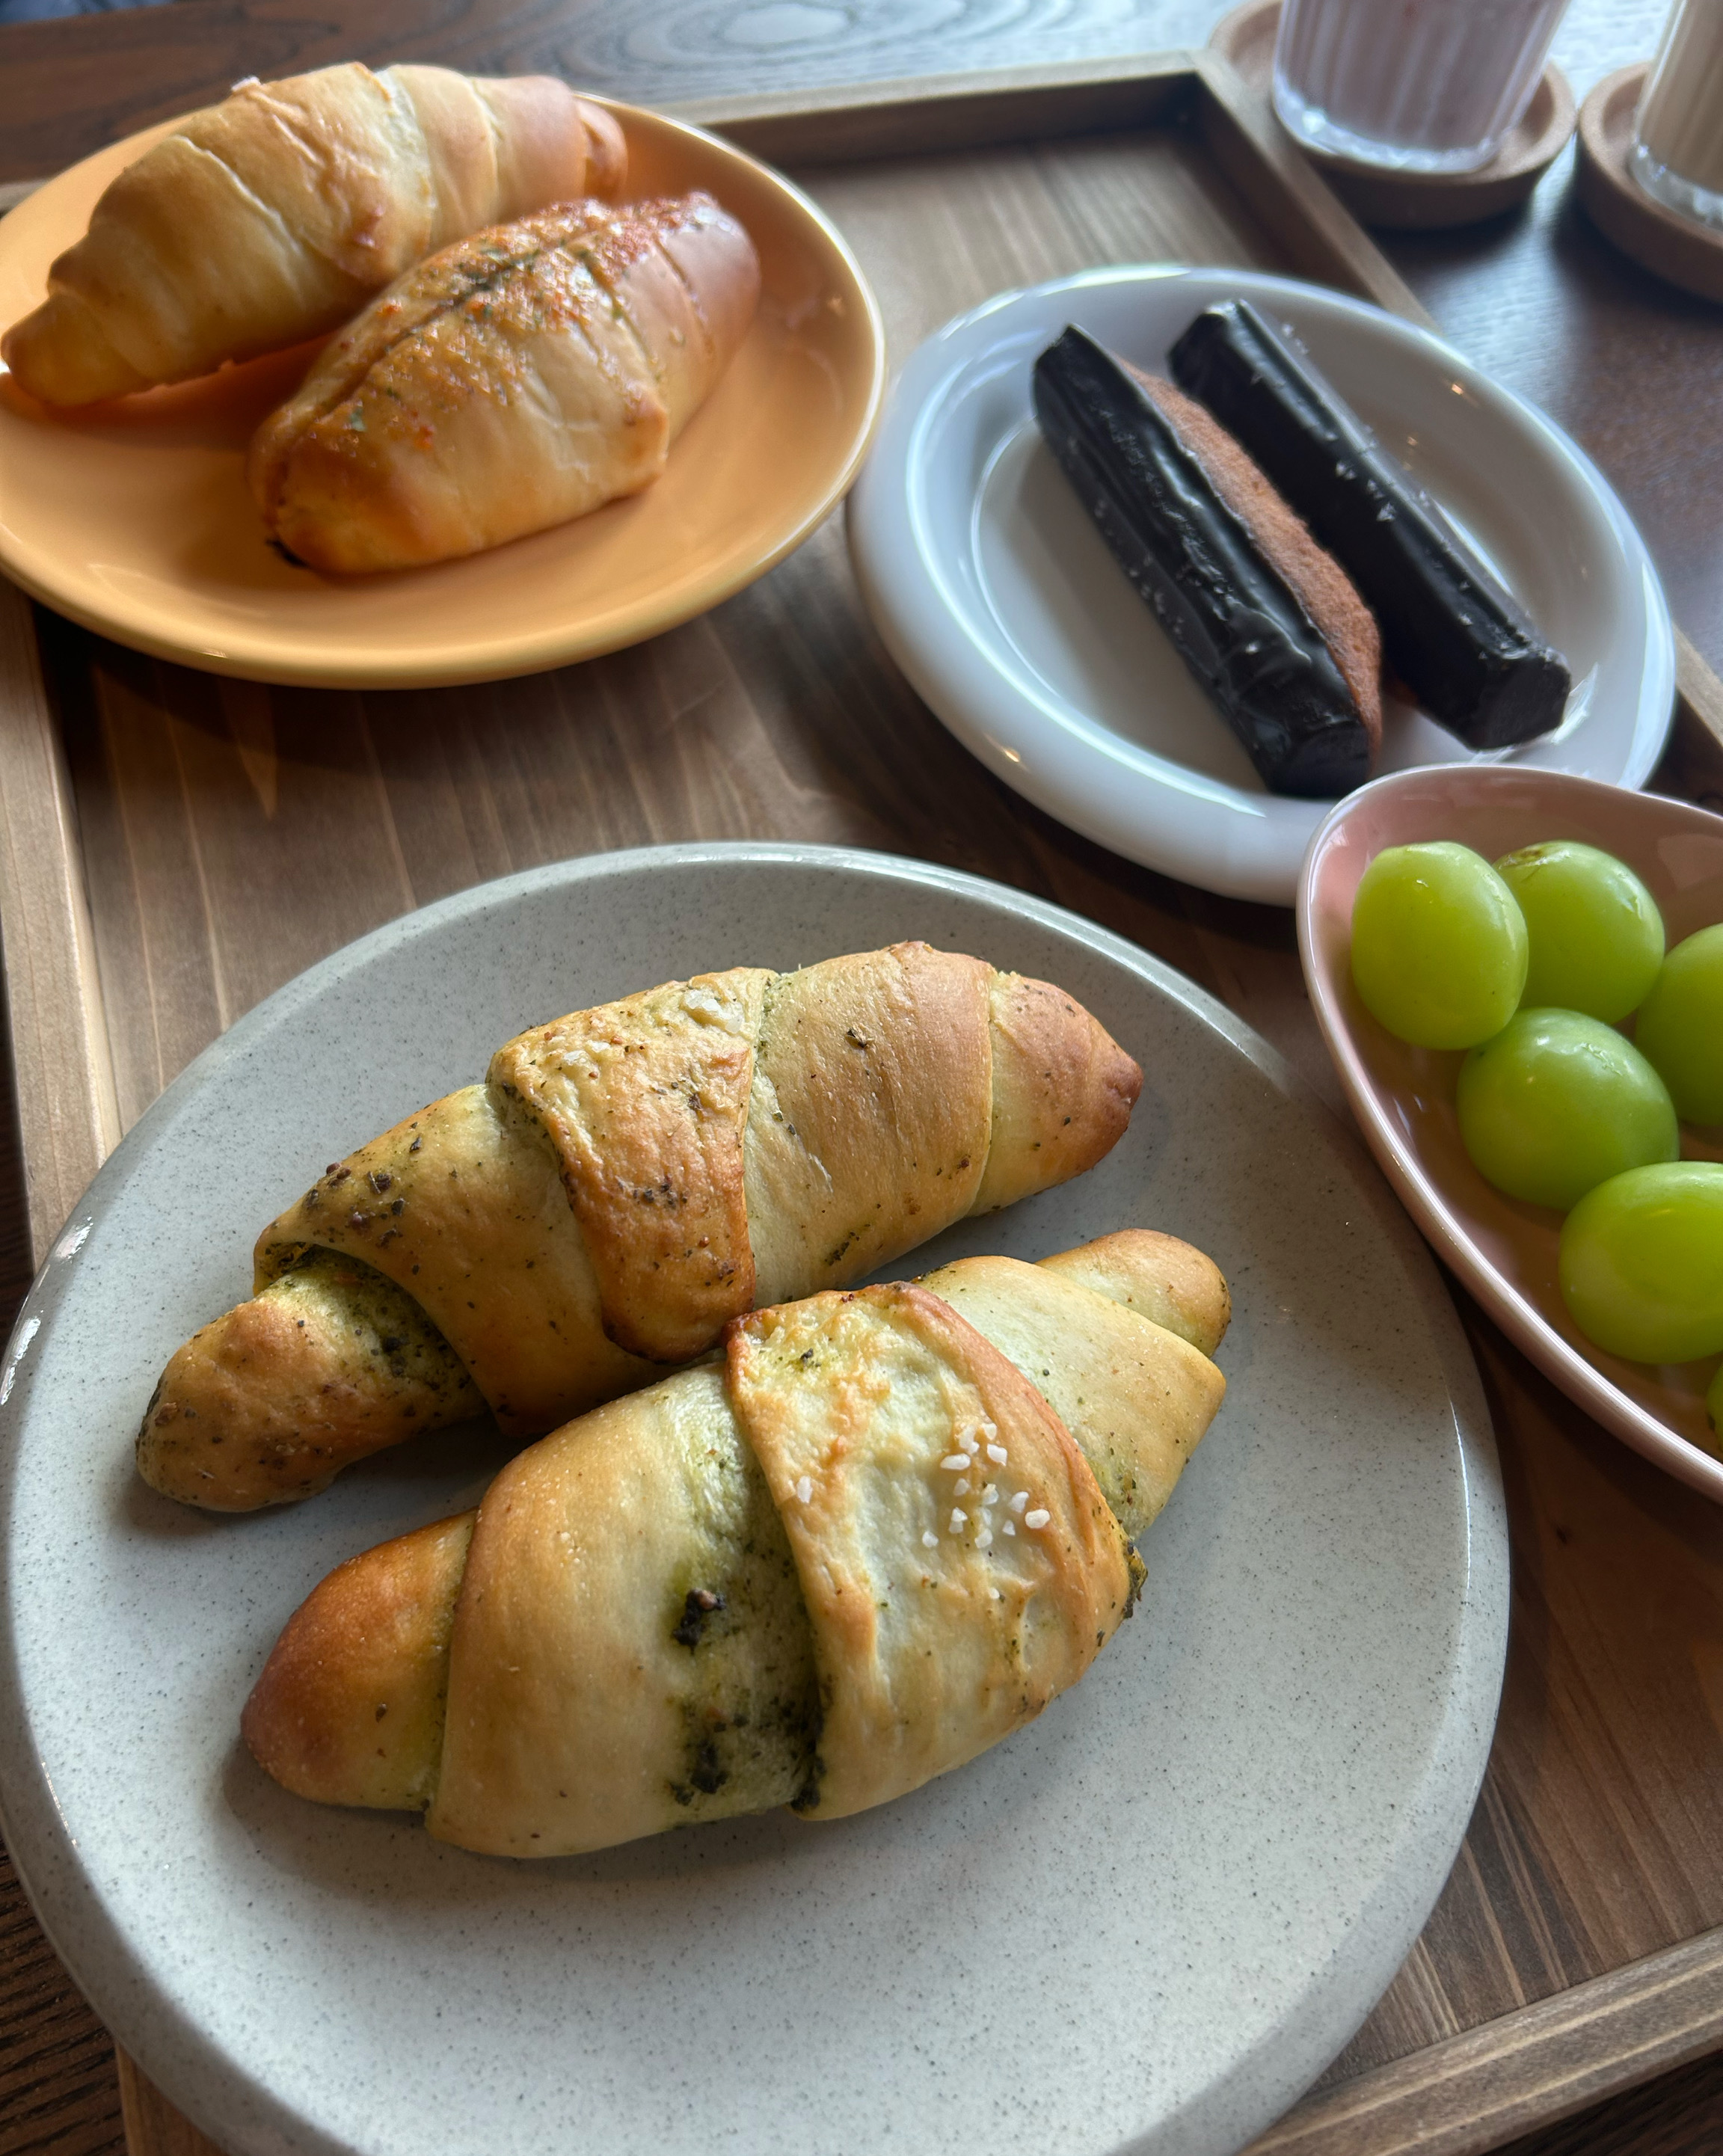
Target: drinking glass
x: 1677, y: 130
x: 1410, y: 85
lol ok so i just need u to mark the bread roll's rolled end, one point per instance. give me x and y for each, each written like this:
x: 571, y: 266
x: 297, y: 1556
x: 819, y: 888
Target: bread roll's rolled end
x: 607, y: 151
x: 1062, y: 1091
x: 718, y: 262
x: 551, y: 144
x: 348, y: 514
x: 1167, y: 1281
x: 349, y: 1709
x: 61, y: 355
x: 269, y: 1402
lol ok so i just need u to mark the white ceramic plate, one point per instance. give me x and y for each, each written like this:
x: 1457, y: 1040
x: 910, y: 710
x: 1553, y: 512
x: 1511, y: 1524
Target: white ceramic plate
x: 1150, y: 1919
x: 1004, y: 607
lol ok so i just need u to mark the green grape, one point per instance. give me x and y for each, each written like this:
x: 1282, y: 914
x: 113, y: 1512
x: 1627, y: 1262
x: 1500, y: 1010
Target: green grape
x: 1438, y: 945
x: 1596, y: 935
x: 1642, y: 1262
x: 1558, y: 1102
x: 1681, y: 1026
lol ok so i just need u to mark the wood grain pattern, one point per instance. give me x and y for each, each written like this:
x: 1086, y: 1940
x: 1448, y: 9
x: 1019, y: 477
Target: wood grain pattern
x: 1700, y: 691
x: 153, y: 2128
x: 1680, y: 2113
x: 229, y: 834
x: 68, y: 1112
x: 987, y: 107
x: 1460, y: 2097
x: 56, y: 2062
x: 1593, y: 1847
x: 69, y: 86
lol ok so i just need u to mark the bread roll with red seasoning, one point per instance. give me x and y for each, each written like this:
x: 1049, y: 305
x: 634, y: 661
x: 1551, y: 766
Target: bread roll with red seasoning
x: 275, y: 215
x: 881, y: 1536
x: 516, y: 380
x: 626, y: 1181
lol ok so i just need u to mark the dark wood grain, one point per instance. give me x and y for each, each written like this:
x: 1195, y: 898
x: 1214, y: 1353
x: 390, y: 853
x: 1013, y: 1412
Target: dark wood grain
x: 57, y: 2084
x: 68, y: 87
x: 229, y: 835
x: 1462, y: 2096
x: 1681, y: 2114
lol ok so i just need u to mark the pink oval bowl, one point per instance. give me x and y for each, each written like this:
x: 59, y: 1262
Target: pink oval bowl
x: 1403, y: 1097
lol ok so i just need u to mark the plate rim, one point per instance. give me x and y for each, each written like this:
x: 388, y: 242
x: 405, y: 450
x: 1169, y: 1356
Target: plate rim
x: 1562, y: 1362
x: 213, y: 2085
x: 520, y: 656
x: 909, y: 618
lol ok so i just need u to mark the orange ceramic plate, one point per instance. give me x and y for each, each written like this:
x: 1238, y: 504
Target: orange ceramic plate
x: 134, y: 520
x: 1404, y: 1097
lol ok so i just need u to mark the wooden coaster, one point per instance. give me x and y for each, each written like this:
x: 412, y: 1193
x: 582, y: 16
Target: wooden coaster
x: 1662, y: 240
x: 1413, y: 201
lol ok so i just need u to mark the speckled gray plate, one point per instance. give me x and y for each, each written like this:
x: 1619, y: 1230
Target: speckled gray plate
x: 1148, y: 1920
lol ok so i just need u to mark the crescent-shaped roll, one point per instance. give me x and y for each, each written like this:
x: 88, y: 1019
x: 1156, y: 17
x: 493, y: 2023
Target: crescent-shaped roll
x: 626, y: 1181
x: 275, y: 215
x: 881, y: 1536
x: 516, y: 380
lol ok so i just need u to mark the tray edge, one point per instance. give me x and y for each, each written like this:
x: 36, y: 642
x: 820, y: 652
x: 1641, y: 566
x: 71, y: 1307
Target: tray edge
x: 1540, y: 2063
x: 1542, y: 2054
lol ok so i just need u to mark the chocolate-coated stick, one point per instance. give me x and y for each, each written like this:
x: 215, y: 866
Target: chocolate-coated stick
x: 1231, y: 615
x: 1461, y: 643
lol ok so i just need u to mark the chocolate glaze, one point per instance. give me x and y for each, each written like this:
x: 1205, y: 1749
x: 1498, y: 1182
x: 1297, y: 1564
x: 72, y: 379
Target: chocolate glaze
x: 1459, y: 642
x: 1232, y: 618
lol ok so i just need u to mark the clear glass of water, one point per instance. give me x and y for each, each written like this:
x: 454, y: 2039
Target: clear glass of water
x: 1677, y: 130
x: 1411, y: 85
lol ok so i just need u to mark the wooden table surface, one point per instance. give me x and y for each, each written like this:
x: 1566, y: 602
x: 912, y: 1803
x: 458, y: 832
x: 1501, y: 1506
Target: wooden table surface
x: 1602, y: 1806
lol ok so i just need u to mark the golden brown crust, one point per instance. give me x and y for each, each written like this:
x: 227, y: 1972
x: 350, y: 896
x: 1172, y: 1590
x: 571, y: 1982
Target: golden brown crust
x: 523, y: 376
x: 1165, y: 1281
x: 462, y: 1205
x: 1136, y: 1396
x: 270, y: 1402
x: 1062, y: 1090
x: 349, y: 1709
x: 885, y: 1095
x: 499, y: 146
x: 646, y: 1102
x: 270, y: 218
x: 944, y: 1616
x: 665, y: 1604
x: 1317, y: 581
x: 871, y: 1117
x: 442, y: 282
x: 606, y: 152
x: 591, y: 1699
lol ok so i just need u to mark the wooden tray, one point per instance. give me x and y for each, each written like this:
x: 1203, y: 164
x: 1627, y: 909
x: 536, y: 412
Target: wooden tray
x: 174, y: 847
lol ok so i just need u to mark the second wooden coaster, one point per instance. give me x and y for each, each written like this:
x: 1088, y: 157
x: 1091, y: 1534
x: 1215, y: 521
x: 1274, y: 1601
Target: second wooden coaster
x: 1662, y: 240
x: 1413, y: 201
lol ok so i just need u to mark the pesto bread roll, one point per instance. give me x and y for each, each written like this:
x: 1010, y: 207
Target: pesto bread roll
x: 879, y: 1537
x: 626, y: 1181
x: 275, y: 215
x: 516, y: 380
